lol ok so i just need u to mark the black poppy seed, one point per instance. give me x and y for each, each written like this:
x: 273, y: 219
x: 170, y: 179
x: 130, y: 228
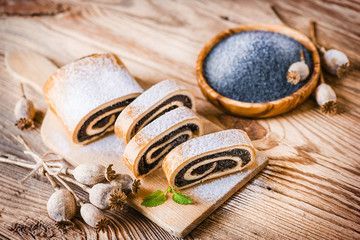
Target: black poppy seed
x: 252, y: 66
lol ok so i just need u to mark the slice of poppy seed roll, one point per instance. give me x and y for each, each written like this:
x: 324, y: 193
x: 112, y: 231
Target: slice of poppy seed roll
x: 146, y: 150
x: 208, y: 157
x: 88, y: 94
x: 153, y: 103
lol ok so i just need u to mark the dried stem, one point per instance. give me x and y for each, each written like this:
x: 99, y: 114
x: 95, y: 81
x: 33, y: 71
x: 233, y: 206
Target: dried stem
x: 322, y: 80
x: 16, y: 162
x: 313, y: 31
x: 22, y: 90
x: 67, y: 171
x: 32, y: 153
x: 13, y: 158
x: 40, y: 160
x: 36, y: 167
x: 52, y: 181
x: 73, y: 181
x: 314, y: 38
x: 35, y: 156
x: 19, y: 162
x: 22, y: 140
x: 278, y: 15
x: 57, y: 162
x: 52, y: 153
x: 68, y: 188
x: 302, y: 58
x: 54, y: 163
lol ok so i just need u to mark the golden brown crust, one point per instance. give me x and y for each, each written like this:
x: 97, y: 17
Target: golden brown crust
x: 46, y: 92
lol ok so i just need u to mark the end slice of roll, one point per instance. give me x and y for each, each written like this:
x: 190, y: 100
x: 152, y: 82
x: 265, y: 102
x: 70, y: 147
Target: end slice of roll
x: 153, y: 103
x: 147, y: 149
x: 208, y: 157
x: 88, y: 94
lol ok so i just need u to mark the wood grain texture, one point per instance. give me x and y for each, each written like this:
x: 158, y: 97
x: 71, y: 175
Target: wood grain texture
x: 258, y: 110
x: 310, y: 187
x: 29, y: 67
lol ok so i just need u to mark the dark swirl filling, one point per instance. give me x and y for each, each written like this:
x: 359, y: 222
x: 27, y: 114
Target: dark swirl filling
x: 82, y: 134
x: 144, y: 167
x: 181, y: 98
x: 221, y: 165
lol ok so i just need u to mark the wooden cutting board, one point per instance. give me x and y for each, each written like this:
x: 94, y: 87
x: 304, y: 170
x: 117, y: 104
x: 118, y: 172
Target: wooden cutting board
x: 177, y: 219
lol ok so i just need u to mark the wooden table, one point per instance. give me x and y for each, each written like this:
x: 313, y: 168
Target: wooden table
x: 310, y: 189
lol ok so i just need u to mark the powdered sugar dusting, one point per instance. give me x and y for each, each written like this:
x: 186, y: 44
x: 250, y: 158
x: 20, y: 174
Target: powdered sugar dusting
x: 86, y: 84
x: 56, y: 138
x: 152, y: 95
x: 109, y: 146
x: 215, y: 189
x: 167, y: 121
x: 213, y: 141
x: 58, y: 135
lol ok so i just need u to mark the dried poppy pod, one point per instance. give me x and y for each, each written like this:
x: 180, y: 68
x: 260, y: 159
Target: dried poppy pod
x: 24, y: 112
x: 326, y: 99
x: 117, y: 199
x: 99, y: 195
x: 94, y: 217
x: 123, y: 182
x: 105, y: 196
x: 61, y: 205
x: 336, y: 62
x: 298, y: 71
x: 126, y: 183
x: 102, y: 195
x: 91, y: 173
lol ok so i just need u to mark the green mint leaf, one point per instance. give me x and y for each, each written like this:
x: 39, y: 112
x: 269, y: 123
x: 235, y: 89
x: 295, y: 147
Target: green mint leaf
x: 169, y: 189
x: 155, y: 199
x: 180, y: 198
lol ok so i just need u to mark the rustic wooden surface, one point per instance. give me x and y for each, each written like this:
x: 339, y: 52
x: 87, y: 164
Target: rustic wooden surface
x: 310, y: 189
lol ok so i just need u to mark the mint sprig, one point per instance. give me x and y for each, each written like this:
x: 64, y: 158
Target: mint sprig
x: 181, y: 198
x: 159, y: 197
x: 155, y: 199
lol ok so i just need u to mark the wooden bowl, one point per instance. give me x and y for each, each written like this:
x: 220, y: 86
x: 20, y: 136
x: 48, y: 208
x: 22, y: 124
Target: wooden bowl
x: 266, y: 109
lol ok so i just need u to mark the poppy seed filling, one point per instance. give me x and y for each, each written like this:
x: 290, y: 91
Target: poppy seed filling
x: 181, y: 98
x: 83, y: 135
x: 221, y: 165
x: 144, y: 167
